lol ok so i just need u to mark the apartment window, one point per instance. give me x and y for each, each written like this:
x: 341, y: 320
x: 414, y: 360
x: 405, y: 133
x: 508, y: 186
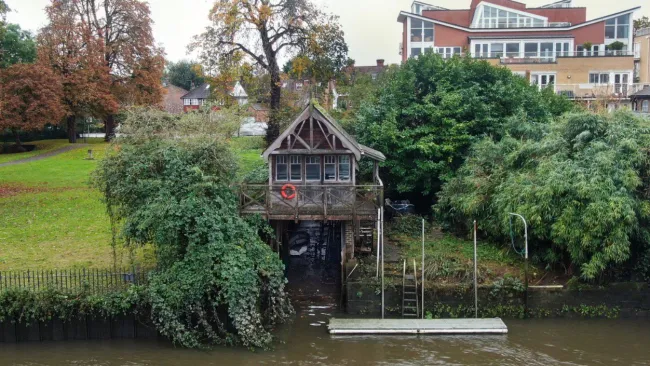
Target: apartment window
x: 186, y: 102
x: 542, y: 80
x: 312, y: 168
x: 496, y: 50
x: 296, y: 167
x: 562, y: 49
x: 531, y: 49
x: 448, y: 52
x: 344, y: 167
x: 421, y: 31
x: 645, y: 106
x: 512, y: 49
x: 618, y: 27
x: 492, y: 17
x: 281, y: 168
x: 598, y: 78
x: 546, y: 49
x: 330, y: 168
x: 416, y: 52
x: 481, y: 50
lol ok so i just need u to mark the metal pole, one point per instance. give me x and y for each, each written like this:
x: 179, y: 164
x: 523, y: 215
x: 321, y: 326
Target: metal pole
x: 525, y: 260
x: 475, y: 278
x: 382, y: 262
x: 422, y: 268
x: 378, y: 240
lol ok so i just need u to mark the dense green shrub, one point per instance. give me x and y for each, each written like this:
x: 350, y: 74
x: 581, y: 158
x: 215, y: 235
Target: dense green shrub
x: 429, y: 111
x: 581, y: 182
x: 216, y: 281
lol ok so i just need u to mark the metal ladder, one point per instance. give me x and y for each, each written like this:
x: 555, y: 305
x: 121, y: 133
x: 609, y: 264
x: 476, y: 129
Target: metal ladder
x: 410, y: 303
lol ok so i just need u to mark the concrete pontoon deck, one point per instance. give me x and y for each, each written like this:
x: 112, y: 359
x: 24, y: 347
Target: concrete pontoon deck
x: 417, y: 326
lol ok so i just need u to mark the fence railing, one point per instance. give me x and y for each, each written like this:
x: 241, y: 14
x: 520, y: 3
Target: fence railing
x: 94, y: 281
x: 591, y: 91
x: 312, y: 200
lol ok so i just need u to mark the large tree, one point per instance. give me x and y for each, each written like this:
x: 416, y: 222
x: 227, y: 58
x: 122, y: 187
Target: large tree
x: 427, y: 113
x: 17, y: 45
x: 76, y: 55
x: 134, y: 62
x: 184, y: 74
x: 30, y: 98
x: 264, y: 31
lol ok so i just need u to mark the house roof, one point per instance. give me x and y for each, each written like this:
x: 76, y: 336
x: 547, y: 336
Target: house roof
x: 645, y: 93
x: 200, y: 92
x: 316, y: 111
x: 404, y: 14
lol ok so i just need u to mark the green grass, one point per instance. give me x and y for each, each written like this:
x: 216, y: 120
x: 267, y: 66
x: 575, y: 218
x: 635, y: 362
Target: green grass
x: 50, y: 217
x: 42, y: 147
x: 249, y: 150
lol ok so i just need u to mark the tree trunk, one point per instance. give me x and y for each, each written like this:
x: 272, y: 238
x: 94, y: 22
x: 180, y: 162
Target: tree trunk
x: 109, y: 124
x: 19, y: 145
x: 273, y: 130
x: 71, y: 122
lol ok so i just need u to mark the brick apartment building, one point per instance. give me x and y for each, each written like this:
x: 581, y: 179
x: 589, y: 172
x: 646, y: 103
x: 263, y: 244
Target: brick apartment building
x: 552, y: 45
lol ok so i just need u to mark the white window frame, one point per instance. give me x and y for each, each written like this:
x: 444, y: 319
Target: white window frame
x: 186, y: 101
x: 599, y: 77
x: 449, y: 52
x: 330, y: 160
x: 295, y: 160
x: 538, y: 76
x: 281, y: 160
x: 561, y: 46
x: 349, y: 164
x: 616, y: 25
x: 313, y: 160
x: 195, y: 101
x: 521, y: 19
x: 420, y: 45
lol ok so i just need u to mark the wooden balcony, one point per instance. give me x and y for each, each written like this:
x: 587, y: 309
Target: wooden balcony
x: 312, y: 202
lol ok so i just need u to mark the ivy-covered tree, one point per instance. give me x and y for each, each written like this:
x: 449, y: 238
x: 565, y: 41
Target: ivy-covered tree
x: 429, y: 111
x: 216, y: 281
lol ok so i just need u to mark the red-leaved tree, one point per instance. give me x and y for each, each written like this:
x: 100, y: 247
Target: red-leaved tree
x: 68, y: 46
x: 30, y: 98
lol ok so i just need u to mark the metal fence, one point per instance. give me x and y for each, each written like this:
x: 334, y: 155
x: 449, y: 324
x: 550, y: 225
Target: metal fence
x: 95, y: 281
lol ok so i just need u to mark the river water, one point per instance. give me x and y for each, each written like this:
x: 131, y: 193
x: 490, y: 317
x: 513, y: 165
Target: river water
x: 306, y: 342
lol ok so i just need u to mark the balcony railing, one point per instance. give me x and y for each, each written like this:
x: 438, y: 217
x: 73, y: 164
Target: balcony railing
x: 598, y: 91
x: 312, y: 202
x: 551, y: 57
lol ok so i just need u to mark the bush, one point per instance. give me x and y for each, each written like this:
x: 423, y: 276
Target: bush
x: 216, y: 281
x: 581, y: 182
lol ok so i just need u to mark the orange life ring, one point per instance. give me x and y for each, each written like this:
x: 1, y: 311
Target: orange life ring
x: 288, y: 187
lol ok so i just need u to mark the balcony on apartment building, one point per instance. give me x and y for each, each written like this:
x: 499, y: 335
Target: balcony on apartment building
x: 613, y: 91
x: 549, y: 57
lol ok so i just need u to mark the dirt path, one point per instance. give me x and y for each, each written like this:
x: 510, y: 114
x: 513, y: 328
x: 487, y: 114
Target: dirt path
x: 44, y: 156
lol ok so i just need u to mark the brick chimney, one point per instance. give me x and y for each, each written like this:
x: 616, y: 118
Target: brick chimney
x: 380, y: 62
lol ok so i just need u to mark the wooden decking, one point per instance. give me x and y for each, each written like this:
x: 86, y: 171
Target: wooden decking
x: 417, y: 326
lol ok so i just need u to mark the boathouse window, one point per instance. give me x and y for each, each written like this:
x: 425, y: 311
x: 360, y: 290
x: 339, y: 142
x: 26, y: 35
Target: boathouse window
x: 281, y: 169
x: 344, y: 167
x: 312, y: 168
x: 330, y: 168
x: 296, y: 167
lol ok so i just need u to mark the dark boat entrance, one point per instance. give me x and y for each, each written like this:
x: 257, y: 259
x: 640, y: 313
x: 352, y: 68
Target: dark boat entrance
x: 312, y: 255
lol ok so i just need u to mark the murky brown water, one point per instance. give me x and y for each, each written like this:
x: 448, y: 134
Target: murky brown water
x: 306, y: 342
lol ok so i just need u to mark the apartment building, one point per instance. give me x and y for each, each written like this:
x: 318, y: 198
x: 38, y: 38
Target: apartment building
x: 642, y: 56
x: 552, y: 45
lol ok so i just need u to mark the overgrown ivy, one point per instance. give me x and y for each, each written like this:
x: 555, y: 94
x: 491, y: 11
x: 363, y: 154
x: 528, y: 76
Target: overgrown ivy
x: 216, y: 282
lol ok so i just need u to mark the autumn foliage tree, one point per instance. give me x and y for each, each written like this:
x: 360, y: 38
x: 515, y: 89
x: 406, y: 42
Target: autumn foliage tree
x: 263, y: 31
x: 70, y: 49
x: 133, y: 62
x: 30, y: 98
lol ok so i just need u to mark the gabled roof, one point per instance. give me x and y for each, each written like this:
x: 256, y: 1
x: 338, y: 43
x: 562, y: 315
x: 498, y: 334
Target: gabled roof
x: 315, y: 111
x: 200, y: 92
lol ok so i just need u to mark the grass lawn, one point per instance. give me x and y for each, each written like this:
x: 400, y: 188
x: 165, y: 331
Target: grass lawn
x: 42, y: 147
x: 51, y: 218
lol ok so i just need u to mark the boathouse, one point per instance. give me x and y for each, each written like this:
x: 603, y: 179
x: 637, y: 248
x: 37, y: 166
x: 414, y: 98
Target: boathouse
x: 322, y: 208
